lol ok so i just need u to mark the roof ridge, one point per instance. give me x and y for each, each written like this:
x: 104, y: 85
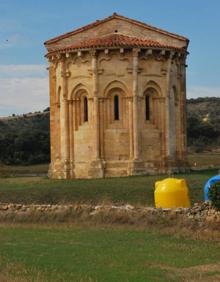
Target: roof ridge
x: 114, y: 16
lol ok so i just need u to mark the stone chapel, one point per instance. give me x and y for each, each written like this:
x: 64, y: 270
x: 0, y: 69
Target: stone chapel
x: 117, y: 100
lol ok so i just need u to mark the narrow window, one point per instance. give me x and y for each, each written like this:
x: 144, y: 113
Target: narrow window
x: 147, y: 107
x: 116, y: 107
x: 85, y: 108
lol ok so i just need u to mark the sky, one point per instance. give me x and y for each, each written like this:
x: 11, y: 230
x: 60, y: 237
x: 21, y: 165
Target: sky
x: 26, y: 24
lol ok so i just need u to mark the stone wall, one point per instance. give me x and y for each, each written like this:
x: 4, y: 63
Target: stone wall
x: 200, y: 215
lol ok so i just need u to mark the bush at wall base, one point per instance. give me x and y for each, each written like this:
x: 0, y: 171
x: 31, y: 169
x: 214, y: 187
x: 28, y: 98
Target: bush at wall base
x: 214, y: 195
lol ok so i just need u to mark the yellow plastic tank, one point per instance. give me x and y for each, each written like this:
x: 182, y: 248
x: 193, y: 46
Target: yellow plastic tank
x: 171, y: 193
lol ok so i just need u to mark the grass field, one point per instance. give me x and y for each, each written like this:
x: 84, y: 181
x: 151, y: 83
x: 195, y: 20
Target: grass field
x: 21, y: 170
x: 103, y: 254
x: 133, y: 190
x: 86, y: 253
x: 204, y: 159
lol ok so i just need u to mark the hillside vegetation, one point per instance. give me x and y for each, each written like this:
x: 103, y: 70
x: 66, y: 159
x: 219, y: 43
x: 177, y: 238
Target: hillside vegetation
x: 25, y: 139
x: 203, y: 123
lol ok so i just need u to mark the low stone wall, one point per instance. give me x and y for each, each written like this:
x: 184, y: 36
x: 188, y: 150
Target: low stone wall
x: 200, y: 213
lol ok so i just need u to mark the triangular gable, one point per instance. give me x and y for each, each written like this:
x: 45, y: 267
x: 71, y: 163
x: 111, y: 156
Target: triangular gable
x: 117, y: 23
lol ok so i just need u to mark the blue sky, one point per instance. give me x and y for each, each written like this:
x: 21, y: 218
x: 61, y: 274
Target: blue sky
x: 26, y: 24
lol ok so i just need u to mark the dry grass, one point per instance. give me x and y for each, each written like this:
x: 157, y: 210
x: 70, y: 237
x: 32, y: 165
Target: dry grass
x: 21, y: 170
x: 16, y: 272
x: 204, y: 159
x: 198, y: 273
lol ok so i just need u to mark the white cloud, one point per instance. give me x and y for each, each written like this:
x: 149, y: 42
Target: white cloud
x: 23, y: 88
x: 203, y: 91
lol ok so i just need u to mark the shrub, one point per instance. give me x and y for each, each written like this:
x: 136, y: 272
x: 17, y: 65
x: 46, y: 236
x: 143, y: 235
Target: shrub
x: 214, y: 195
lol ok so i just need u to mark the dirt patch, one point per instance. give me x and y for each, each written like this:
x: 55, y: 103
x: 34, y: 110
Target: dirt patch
x: 201, y: 273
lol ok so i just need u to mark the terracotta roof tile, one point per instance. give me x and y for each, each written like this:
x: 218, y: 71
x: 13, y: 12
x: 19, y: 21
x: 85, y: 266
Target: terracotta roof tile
x: 114, y: 16
x: 115, y: 40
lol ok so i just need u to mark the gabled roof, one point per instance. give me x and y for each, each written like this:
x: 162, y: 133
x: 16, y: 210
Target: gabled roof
x: 115, y: 16
x: 116, y: 40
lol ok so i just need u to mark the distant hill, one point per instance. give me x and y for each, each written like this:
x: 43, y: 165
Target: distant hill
x: 205, y: 107
x: 203, y: 123
x: 25, y: 139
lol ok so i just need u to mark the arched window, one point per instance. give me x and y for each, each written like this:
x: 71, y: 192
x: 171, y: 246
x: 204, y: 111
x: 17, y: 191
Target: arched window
x: 85, y: 108
x: 147, y: 107
x: 116, y: 107
x: 150, y: 105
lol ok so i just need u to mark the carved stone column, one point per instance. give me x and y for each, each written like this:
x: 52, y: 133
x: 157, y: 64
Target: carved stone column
x: 135, y: 104
x: 64, y: 120
x: 95, y: 105
x: 102, y: 125
x: 71, y: 138
x: 162, y: 128
x: 130, y: 115
x: 167, y: 109
x: 53, y: 123
x: 96, y: 165
x: 183, y: 112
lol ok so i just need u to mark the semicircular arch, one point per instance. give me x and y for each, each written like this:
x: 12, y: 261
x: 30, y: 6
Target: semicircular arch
x: 153, y: 88
x: 77, y: 91
x: 115, y: 84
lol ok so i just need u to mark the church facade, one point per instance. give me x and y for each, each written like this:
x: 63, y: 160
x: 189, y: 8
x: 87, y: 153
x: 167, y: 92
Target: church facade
x: 117, y: 100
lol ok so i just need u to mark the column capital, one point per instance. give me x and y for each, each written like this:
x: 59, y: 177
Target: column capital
x: 65, y: 74
x: 93, y: 53
x: 135, y: 52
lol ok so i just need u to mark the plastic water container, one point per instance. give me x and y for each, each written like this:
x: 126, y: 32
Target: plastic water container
x: 171, y: 193
x: 209, y: 183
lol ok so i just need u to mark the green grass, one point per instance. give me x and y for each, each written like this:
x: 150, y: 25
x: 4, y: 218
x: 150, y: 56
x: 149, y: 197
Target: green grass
x: 101, y: 254
x: 133, y: 190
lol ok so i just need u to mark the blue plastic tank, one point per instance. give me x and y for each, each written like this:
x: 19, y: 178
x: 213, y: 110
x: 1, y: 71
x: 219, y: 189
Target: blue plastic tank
x: 209, y: 183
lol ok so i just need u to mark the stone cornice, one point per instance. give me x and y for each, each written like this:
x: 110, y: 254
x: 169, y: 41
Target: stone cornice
x: 94, y: 51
